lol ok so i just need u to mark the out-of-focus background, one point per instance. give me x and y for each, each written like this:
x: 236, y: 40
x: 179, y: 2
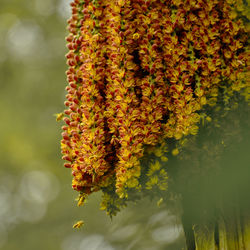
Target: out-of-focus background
x: 37, y: 207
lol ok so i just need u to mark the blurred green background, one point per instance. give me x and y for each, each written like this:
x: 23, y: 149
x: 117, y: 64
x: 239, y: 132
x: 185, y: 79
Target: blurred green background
x: 37, y: 207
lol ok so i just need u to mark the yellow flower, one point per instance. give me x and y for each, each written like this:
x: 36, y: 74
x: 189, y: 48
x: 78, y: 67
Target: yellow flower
x: 164, y: 159
x: 175, y: 151
x: 178, y: 135
x: 121, y: 2
x: 153, y: 168
x: 133, y: 182
x: 208, y: 118
x: 203, y: 100
x: 136, y: 36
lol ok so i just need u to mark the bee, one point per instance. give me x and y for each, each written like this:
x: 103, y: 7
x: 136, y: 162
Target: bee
x: 81, y: 200
x: 59, y: 116
x: 159, y: 202
x: 78, y: 224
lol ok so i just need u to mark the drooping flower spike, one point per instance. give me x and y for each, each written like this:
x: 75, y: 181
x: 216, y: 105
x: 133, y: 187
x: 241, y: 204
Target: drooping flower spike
x: 140, y: 72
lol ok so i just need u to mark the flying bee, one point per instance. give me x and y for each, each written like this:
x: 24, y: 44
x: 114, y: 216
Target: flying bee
x: 81, y: 200
x: 159, y: 202
x: 78, y: 224
x: 59, y: 116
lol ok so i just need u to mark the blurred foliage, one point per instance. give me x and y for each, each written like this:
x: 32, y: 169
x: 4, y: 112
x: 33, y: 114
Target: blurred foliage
x: 36, y: 199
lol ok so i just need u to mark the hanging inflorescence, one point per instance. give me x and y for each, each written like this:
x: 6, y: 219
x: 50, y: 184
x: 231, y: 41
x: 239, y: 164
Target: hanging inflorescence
x: 140, y: 73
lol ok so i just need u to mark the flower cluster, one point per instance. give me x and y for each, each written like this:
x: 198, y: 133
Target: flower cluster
x: 140, y: 72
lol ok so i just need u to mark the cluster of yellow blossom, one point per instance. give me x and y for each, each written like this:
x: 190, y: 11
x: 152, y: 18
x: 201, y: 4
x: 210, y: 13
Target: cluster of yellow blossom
x: 140, y: 72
